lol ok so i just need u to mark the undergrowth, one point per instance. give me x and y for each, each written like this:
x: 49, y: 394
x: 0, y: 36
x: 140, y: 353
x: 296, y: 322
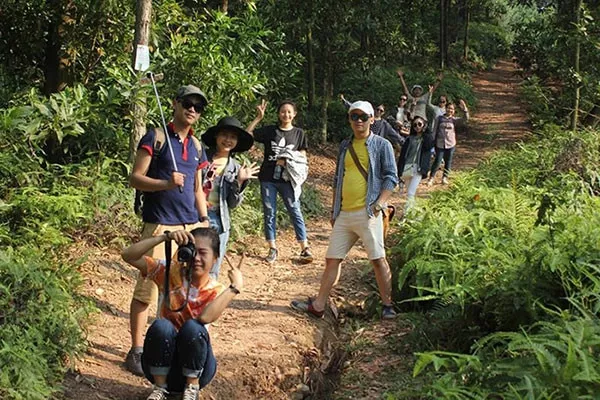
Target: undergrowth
x: 504, y: 269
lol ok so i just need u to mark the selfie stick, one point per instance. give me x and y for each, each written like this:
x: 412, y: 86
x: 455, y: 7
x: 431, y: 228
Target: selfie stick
x: 162, y: 116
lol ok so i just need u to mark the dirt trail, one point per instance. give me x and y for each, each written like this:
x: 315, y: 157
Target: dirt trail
x: 260, y: 344
x: 379, y: 353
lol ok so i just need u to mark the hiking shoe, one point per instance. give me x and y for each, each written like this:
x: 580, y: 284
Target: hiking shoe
x: 133, y: 362
x: 445, y: 180
x: 306, y: 256
x: 307, y: 307
x: 388, y: 312
x: 430, y: 182
x: 158, y: 394
x: 272, y: 256
x: 191, y: 392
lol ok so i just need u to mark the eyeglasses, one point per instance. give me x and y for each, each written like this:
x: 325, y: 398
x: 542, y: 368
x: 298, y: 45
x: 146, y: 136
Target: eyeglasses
x: 380, y: 110
x: 187, y: 103
x: 442, y: 101
x: 403, y: 98
x: 362, y: 117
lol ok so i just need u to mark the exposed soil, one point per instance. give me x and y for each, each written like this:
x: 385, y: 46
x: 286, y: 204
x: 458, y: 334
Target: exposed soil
x: 379, y: 356
x: 264, y: 349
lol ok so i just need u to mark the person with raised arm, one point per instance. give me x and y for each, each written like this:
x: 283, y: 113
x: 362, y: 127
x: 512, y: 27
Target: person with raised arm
x: 283, y: 170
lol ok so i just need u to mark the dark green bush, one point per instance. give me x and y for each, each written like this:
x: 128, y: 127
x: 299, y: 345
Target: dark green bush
x: 40, y: 323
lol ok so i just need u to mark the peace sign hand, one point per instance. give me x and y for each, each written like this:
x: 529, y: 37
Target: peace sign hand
x: 260, y: 109
x: 235, y: 274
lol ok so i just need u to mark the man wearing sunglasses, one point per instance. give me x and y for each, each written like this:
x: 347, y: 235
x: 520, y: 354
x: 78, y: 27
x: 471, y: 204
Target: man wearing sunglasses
x: 359, y: 201
x: 172, y: 200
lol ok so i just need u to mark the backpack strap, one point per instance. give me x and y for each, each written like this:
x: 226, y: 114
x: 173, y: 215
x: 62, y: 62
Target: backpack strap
x: 159, y: 141
x: 357, y: 162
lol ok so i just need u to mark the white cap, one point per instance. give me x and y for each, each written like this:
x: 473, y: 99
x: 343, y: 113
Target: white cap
x: 363, y: 106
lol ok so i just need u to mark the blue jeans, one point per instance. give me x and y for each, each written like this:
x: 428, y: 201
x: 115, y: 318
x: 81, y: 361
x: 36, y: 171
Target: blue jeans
x: 446, y: 155
x: 215, y: 223
x: 268, y: 193
x: 178, y: 355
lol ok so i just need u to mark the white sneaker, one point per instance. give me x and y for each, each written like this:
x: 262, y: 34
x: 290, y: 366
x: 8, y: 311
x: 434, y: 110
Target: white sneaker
x: 158, y: 394
x: 430, y: 182
x: 445, y: 181
x: 191, y: 392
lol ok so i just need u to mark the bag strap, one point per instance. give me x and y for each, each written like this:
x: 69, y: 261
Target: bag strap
x: 358, y: 164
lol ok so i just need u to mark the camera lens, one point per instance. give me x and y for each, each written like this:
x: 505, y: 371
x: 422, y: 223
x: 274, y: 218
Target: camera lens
x: 186, y: 253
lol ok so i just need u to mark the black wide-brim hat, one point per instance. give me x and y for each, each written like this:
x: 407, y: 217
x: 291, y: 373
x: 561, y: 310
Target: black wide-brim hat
x: 245, y: 140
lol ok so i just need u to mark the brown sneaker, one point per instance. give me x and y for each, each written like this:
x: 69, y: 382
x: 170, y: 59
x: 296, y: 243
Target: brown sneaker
x: 306, y: 256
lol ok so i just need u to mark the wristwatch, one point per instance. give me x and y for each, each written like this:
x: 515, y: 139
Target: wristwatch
x: 378, y: 207
x: 203, y: 218
x: 234, y: 289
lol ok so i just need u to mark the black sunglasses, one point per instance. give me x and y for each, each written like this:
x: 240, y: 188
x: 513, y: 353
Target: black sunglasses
x: 380, y: 110
x: 418, y: 124
x: 187, y: 103
x: 362, y: 117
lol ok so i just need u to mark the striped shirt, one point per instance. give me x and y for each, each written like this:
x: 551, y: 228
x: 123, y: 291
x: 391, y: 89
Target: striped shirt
x: 382, y: 173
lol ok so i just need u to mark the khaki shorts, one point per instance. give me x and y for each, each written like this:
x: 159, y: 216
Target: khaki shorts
x: 351, y: 226
x: 146, y: 290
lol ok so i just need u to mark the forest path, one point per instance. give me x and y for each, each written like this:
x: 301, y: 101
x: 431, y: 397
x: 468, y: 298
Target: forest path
x: 262, y: 345
x: 381, y: 359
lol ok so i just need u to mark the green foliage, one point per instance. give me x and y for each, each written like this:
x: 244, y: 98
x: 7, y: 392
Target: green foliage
x: 487, y: 42
x: 40, y: 323
x: 247, y: 218
x: 506, y: 266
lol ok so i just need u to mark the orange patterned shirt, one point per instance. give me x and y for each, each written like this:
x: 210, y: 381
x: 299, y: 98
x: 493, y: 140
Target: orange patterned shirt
x: 178, y: 285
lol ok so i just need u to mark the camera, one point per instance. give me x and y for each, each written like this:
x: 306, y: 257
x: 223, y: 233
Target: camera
x: 186, y: 253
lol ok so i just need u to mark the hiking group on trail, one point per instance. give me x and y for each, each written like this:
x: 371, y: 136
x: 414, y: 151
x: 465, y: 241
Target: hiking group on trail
x: 188, y: 189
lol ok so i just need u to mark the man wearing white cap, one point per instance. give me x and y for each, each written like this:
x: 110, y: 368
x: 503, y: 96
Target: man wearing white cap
x: 359, y: 201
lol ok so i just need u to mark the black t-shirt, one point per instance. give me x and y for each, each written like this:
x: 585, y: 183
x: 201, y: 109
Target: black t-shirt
x: 276, y: 140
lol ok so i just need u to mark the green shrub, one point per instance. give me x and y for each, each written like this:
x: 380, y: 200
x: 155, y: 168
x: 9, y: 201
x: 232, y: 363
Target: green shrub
x: 40, y: 323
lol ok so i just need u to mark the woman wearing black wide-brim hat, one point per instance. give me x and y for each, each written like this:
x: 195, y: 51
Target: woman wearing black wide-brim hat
x: 225, y: 179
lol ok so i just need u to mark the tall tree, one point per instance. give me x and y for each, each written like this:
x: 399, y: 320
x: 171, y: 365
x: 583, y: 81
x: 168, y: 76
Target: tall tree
x: 142, y: 35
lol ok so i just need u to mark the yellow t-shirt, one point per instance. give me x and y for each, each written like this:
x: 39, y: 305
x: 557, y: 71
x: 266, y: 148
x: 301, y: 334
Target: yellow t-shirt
x: 354, y: 187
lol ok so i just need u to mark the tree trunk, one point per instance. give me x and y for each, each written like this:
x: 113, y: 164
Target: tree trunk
x: 327, y: 82
x: 138, y: 107
x: 442, y: 39
x: 446, y: 41
x: 576, y: 66
x: 53, y: 68
x: 466, y: 36
x: 310, y: 57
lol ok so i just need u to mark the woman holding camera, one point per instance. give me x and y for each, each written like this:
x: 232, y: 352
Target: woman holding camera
x: 177, y: 353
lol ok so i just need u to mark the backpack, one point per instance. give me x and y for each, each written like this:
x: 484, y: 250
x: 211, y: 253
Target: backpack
x: 159, y: 142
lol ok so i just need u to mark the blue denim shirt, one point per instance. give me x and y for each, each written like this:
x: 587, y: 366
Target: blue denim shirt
x: 382, y: 173
x: 230, y: 194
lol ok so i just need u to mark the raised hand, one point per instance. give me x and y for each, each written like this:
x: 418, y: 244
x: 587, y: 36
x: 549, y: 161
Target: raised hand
x: 248, y: 172
x: 400, y: 73
x: 260, y: 109
x: 462, y: 105
x: 235, y: 273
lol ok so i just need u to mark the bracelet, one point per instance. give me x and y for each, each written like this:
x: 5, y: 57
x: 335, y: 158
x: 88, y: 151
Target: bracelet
x: 168, y: 235
x: 203, y: 218
x: 234, y: 289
